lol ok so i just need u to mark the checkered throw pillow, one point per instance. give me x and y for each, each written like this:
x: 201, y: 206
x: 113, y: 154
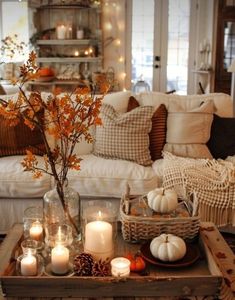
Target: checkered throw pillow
x: 124, y: 136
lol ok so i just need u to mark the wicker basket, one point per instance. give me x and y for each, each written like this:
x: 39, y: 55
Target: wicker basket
x: 137, y: 229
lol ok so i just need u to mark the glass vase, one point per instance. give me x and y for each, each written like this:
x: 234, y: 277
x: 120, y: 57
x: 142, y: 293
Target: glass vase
x: 54, y: 212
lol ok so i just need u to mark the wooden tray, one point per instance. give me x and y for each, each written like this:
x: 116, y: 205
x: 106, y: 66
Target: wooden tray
x: 202, y: 278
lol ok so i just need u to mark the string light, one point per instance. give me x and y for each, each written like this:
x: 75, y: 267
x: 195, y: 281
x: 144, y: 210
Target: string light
x: 121, y: 59
x: 118, y: 42
x: 114, y: 27
x: 108, y: 26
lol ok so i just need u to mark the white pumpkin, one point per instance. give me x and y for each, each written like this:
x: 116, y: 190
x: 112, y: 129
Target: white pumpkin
x: 168, y: 247
x: 162, y: 201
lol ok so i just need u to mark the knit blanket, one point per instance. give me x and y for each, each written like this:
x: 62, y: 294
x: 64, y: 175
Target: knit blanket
x: 211, y: 181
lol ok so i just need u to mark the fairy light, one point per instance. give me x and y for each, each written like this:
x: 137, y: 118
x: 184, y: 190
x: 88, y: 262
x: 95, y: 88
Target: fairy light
x: 114, y: 26
x: 121, y: 59
x: 108, y: 26
x: 118, y: 42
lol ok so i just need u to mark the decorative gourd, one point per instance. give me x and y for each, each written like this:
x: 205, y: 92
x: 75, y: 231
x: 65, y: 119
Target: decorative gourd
x: 168, y: 247
x: 162, y: 201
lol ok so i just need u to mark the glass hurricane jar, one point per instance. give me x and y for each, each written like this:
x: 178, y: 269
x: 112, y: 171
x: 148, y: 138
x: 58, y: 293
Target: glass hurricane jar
x: 54, y: 212
x: 99, y: 228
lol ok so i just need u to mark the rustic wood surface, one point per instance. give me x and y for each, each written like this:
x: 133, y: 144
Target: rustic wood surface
x: 201, y: 279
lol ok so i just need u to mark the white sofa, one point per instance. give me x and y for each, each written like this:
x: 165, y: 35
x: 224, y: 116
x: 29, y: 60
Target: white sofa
x: 99, y: 177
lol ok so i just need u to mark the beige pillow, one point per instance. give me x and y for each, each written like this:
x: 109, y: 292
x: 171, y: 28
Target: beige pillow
x: 189, y: 131
x: 124, y: 136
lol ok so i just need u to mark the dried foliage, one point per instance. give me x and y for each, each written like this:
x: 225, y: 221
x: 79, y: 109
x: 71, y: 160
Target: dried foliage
x: 67, y: 117
x: 11, y: 47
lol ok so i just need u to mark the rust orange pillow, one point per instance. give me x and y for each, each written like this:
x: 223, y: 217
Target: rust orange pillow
x: 15, y: 140
x: 157, y: 135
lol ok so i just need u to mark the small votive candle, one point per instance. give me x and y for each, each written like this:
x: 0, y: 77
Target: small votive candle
x: 28, y: 266
x: 76, y: 53
x: 60, y: 259
x: 36, y: 231
x: 120, y: 267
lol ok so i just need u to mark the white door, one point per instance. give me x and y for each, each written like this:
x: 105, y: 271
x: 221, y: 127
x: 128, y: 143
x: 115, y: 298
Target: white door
x: 160, y: 43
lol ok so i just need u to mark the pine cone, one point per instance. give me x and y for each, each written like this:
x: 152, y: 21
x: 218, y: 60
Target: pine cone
x: 101, y: 268
x: 83, y: 264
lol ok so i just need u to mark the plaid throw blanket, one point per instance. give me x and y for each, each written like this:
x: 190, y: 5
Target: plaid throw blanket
x: 211, y: 181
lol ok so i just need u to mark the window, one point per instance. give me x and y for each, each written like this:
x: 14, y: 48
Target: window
x: 14, y: 23
x: 142, y: 40
x: 178, y: 45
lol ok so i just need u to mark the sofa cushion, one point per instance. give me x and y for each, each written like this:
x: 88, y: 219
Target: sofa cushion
x: 157, y: 135
x: 222, y: 140
x: 189, y: 131
x: 118, y: 100
x: 15, y: 183
x: 15, y: 140
x: 223, y: 102
x: 107, y: 177
x: 124, y: 136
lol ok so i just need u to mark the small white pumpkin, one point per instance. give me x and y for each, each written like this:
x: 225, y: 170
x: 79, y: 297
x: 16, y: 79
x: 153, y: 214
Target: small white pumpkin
x: 162, y: 201
x: 168, y: 247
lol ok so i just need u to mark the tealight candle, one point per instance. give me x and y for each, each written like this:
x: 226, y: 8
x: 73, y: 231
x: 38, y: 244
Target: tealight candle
x: 120, y: 267
x: 99, y: 239
x: 28, y: 265
x: 36, y: 231
x: 61, y: 32
x: 60, y: 259
x: 76, y: 53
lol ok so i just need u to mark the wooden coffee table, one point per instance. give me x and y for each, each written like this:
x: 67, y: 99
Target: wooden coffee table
x: 212, y: 274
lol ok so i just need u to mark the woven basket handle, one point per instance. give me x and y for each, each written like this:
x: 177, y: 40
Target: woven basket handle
x: 125, y: 199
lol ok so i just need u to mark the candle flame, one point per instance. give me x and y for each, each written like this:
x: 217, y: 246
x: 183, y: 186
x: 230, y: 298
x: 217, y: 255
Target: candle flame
x: 59, y: 235
x: 99, y: 215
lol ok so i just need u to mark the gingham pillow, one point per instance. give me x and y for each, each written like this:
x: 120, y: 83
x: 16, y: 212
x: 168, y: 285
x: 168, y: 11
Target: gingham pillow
x: 124, y: 136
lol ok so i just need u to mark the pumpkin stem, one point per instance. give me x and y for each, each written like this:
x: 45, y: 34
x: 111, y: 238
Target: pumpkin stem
x: 166, y: 238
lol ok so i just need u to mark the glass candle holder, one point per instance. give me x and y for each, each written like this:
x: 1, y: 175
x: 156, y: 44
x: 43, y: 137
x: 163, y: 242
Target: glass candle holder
x: 31, y: 246
x: 120, y: 267
x: 99, y: 229
x: 33, y: 223
x: 58, y: 234
x: 29, y: 264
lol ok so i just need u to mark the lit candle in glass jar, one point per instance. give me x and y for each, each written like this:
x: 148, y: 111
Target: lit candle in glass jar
x: 120, y: 267
x: 99, y: 239
x: 60, y: 259
x: 36, y: 231
x: 28, y: 265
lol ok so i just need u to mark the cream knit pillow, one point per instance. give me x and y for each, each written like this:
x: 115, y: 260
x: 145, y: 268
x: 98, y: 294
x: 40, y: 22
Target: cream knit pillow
x: 189, y: 131
x: 124, y: 136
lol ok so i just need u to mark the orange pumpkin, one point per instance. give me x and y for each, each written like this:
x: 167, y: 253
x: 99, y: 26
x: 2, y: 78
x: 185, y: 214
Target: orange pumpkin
x: 45, y: 72
x: 137, y: 262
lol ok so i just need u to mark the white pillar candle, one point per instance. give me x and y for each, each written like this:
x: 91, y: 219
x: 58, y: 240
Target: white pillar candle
x: 120, y: 267
x: 36, y: 231
x: 99, y: 239
x: 28, y: 265
x: 61, y: 32
x: 60, y: 259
